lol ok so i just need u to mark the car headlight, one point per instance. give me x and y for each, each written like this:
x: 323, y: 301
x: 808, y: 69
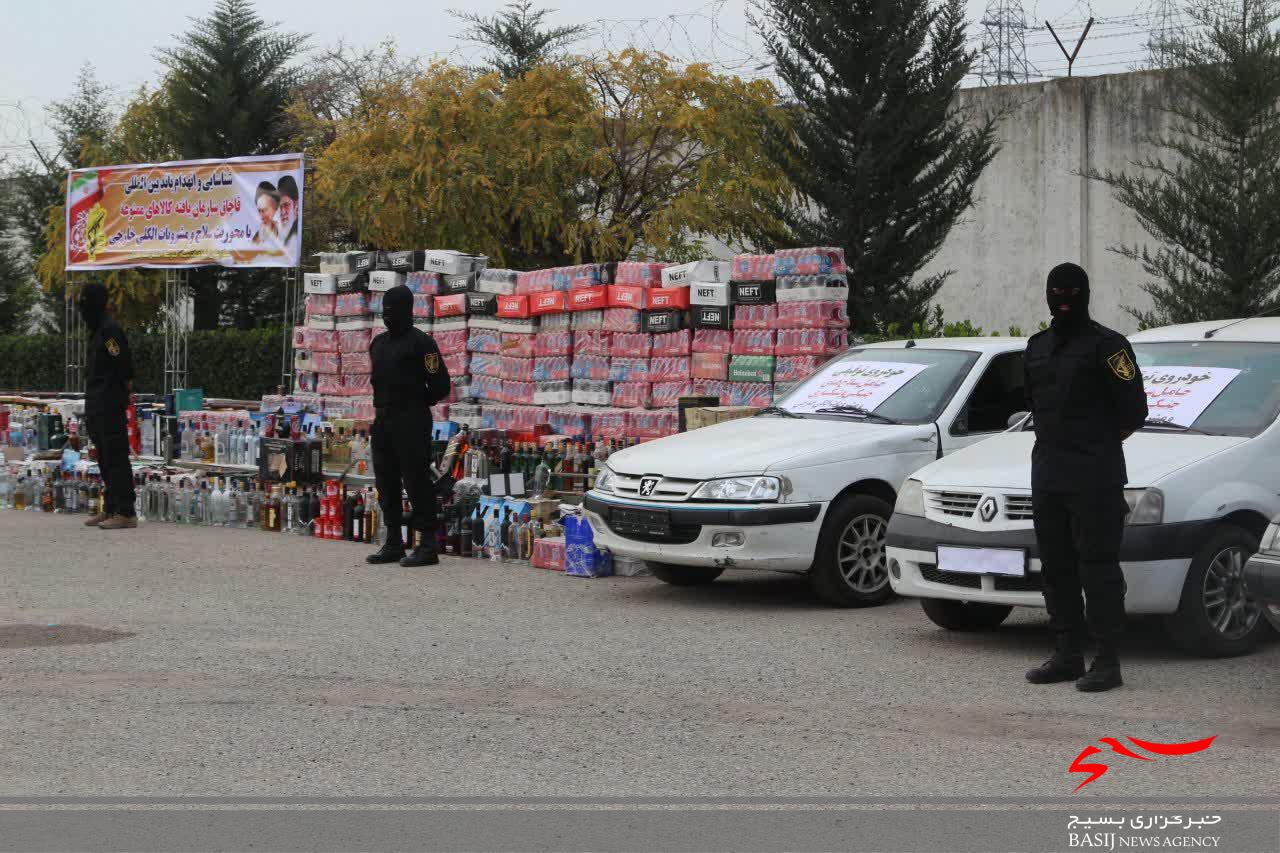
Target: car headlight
x: 739, y: 489
x: 1146, y: 506
x: 910, y: 498
x: 604, y: 480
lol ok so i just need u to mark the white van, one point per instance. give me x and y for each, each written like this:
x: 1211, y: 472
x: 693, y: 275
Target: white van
x: 807, y: 486
x: 1204, y: 480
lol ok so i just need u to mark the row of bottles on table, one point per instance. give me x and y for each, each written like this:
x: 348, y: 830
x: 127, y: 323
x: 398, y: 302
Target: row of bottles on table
x: 225, y: 444
x: 323, y: 512
x: 59, y: 491
x: 499, y: 535
x: 560, y: 466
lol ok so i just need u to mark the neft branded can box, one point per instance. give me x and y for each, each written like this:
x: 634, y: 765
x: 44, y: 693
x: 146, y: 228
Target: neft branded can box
x: 711, y: 317
x: 458, y: 282
x: 753, y: 292
x: 709, y: 293
x: 684, y: 275
x: 449, y: 262
x: 482, y: 304
x: 354, y: 282
x: 658, y: 322
x: 383, y: 280
x: 321, y: 284
x: 405, y: 261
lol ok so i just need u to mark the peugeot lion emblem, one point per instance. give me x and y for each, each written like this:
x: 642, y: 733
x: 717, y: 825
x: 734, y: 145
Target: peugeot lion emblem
x: 987, y: 509
x: 647, y: 485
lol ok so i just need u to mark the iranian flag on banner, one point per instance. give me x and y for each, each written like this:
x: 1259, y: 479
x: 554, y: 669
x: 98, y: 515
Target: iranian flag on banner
x: 84, y: 190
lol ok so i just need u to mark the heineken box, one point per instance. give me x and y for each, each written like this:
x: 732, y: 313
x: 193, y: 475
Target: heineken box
x: 753, y: 292
x: 751, y: 368
x: 711, y: 317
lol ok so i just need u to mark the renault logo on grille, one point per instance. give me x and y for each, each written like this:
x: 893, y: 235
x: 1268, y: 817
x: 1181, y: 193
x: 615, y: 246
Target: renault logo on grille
x: 647, y: 485
x: 987, y: 509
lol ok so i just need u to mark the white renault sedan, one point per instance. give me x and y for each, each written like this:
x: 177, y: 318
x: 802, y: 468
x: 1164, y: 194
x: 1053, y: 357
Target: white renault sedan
x: 807, y: 486
x: 1204, y: 479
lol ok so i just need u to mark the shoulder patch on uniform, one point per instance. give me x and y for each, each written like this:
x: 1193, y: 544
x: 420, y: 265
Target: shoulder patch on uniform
x: 432, y: 361
x: 113, y: 347
x: 1122, y: 366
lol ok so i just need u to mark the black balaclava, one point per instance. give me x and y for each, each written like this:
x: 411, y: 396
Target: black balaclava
x: 397, y: 310
x: 93, y: 305
x: 1067, y: 292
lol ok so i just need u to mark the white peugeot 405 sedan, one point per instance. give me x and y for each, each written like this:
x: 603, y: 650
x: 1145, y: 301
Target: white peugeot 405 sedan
x: 808, y: 485
x: 1204, y: 479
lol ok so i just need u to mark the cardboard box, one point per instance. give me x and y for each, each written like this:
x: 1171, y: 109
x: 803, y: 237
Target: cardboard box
x: 709, y: 365
x: 588, y: 298
x: 551, y: 302
x: 700, y: 271
x: 321, y: 321
x: 351, y: 324
x: 353, y: 282
x: 513, y: 306
x: 814, y: 294
x: 482, y: 304
x: 188, y: 400
x: 405, y: 261
x: 627, y: 296
x: 753, y: 292
x: 711, y: 317
x: 698, y: 418
x: 451, y: 305
x: 384, y: 280
x: 320, y: 284
x: 448, y: 262
x: 657, y: 322
x: 708, y: 293
x: 669, y: 297
x: 365, y: 262
x: 751, y: 368
x: 460, y: 283
x: 500, y: 281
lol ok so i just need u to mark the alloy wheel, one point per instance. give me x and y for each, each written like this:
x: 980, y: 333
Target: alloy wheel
x: 860, y: 554
x: 1227, y: 607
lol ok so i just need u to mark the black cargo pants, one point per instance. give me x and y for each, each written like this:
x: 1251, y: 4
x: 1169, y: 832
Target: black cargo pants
x: 109, y: 432
x: 401, y: 449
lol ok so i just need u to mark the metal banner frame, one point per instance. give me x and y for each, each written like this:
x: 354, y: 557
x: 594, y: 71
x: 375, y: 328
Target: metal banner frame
x: 75, y: 336
x: 176, y: 334
x: 292, y: 316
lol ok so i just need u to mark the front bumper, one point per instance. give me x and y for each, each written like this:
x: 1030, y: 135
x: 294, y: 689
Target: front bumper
x: 1154, y: 559
x: 775, y: 537
x: 1262, y: 578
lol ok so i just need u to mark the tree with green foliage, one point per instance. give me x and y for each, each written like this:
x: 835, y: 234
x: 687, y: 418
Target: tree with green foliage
x: 883, y: 161
x: 230, y: 79
x: 519, y: 38
x: 1213, y: 202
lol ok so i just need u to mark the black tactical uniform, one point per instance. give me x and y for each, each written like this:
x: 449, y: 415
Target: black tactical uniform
x: 106, y: 400
x: 409, y: 377
x: 1086, y: 395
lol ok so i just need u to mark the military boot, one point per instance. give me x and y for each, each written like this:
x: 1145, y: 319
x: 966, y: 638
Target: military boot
x: 1103, y: 675
x: 423, y: 555
x: 390, y: 552
x: 1066, y: 664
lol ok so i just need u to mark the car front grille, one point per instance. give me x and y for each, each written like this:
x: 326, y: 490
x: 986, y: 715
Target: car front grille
x: 960, y: 504
x: 1017, y: 507
x: 1029, y: 583
x: 668, y: 488
x: 932, y: 574
x: 680, y: 534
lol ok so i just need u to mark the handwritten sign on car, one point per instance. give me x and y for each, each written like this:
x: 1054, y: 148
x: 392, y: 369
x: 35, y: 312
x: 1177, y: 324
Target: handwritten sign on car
x: 865, y: 384
x: 1178, y: 395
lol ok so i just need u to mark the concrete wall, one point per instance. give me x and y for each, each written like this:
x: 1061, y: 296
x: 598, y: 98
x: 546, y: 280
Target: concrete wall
x: 1034, y: 210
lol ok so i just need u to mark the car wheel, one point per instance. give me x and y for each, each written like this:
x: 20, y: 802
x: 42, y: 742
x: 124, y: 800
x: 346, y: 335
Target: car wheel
x: 1215, y: 617
x: 683, y: 575
x: 964, y: 615
x: 850, y: 568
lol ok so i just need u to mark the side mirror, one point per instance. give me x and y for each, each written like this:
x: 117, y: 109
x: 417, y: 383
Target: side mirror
x: 1017, y: 418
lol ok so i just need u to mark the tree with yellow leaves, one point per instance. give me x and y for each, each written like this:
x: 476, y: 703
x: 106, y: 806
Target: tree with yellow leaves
x: 581, y: 160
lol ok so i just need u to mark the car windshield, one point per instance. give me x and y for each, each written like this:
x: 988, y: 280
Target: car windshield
x: 875, y: 385
x: 1216, y: 387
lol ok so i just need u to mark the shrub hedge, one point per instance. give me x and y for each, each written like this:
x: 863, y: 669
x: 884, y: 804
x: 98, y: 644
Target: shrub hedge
x: 225, y: 363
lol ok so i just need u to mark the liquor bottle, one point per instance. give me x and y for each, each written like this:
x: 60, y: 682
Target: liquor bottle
x: 507, y: 543
x: 6, y: 488
x: 200, y: 511
x: 357, y: 518
x: 541, y: 476
x: 477, y: 533
x: 20, y: 494
x: 372, y: 517
x: 46, y: 497
x: 465, y: 539
x: 493, y: 536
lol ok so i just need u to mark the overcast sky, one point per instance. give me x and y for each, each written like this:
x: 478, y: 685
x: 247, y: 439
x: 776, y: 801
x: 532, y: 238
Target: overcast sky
x: 49, y: 41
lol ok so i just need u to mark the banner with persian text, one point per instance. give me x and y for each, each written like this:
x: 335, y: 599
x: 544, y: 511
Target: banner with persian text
x: 241, y: 212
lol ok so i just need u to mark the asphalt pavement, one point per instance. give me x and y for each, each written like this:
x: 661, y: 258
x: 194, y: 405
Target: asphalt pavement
x: 173, y: 660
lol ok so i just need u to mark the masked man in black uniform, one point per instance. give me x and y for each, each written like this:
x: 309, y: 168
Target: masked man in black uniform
x: 108, y: 389
x: 409, y: 377
x: 1086, y: 396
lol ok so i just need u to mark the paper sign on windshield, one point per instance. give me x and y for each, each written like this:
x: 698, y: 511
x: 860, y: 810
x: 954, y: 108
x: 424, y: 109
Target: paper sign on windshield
x: 1179, y: 395
x: 865, y: 384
